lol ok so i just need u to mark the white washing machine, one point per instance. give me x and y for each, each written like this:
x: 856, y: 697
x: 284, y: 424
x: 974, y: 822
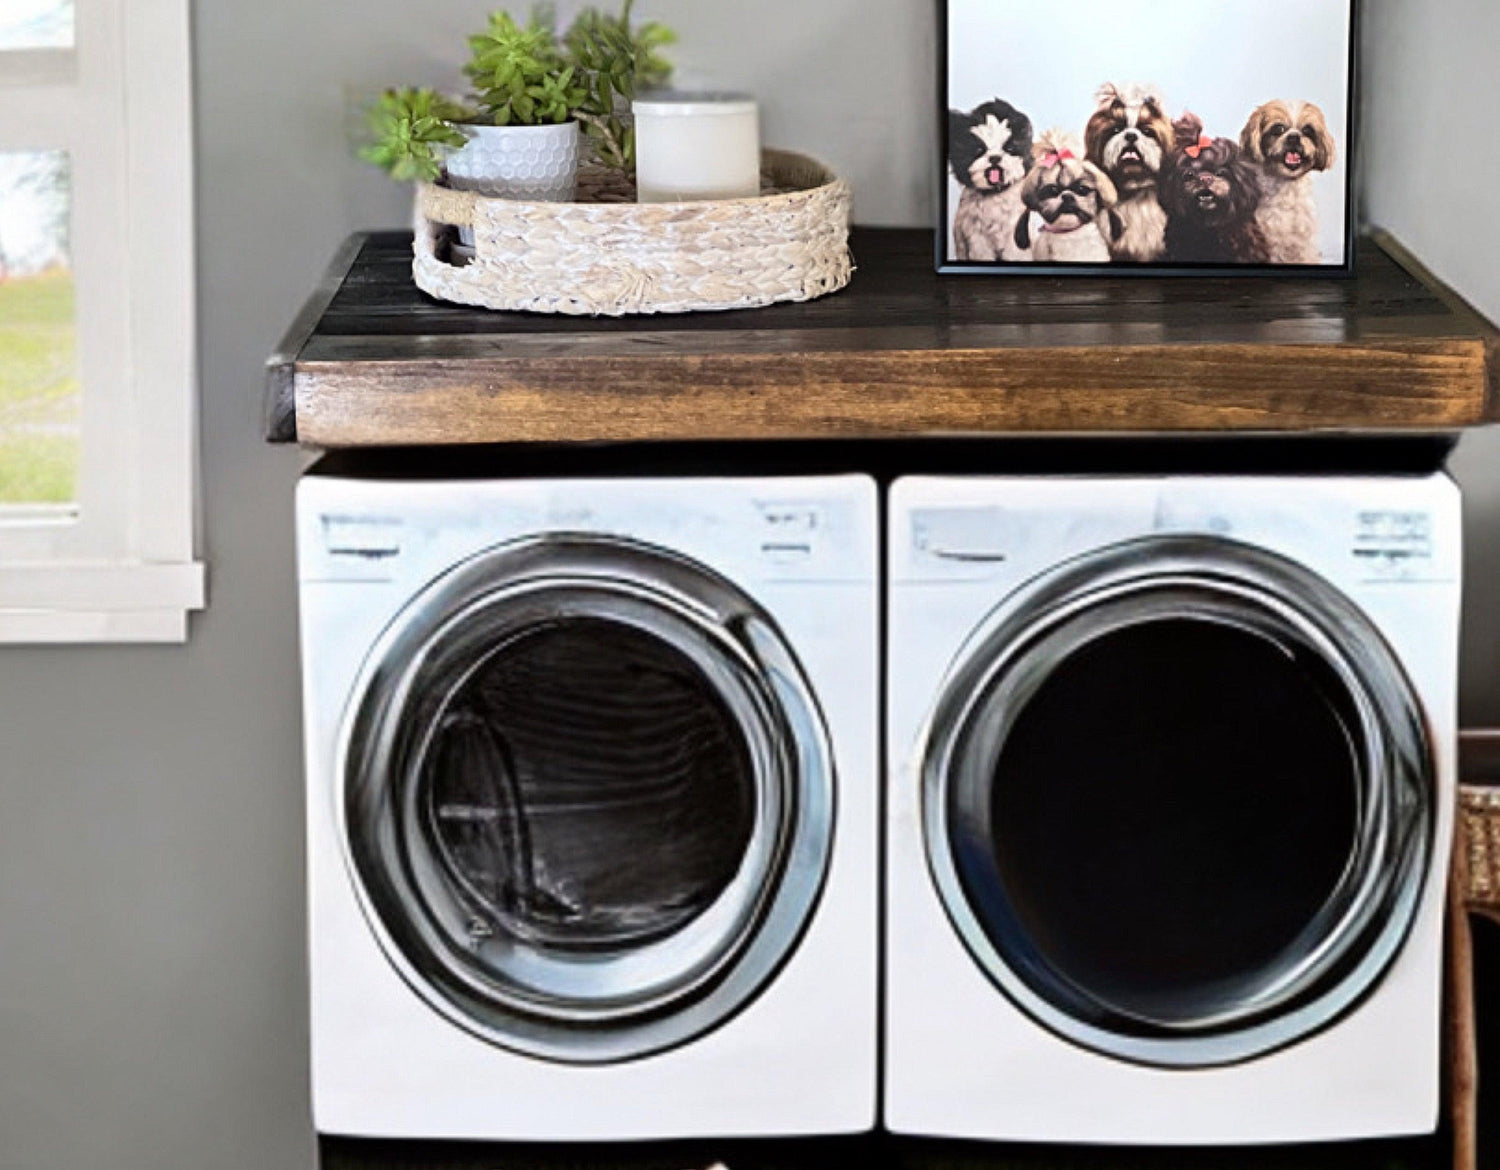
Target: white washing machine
x: 593, y: 806
x: 1171, y: 769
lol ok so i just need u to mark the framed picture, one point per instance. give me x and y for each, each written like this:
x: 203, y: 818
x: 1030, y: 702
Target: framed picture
x: 1175, y: 136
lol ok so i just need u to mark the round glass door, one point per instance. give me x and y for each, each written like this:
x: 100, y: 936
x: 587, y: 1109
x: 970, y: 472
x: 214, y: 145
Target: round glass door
x: 589, y: 798
x: 1178, y: 800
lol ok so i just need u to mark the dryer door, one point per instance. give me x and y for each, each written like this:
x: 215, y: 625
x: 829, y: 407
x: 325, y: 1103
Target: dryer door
x: 1178, y: 800
x: 588, y: 798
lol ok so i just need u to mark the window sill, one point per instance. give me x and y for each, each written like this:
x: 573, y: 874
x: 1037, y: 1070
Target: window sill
x: 38, y: 66
x: 128, y: 603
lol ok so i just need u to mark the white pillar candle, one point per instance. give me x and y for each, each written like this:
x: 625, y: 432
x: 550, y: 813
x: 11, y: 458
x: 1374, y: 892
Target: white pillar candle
x: 691, y: 146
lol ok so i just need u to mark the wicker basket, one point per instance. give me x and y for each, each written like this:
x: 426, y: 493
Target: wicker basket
x: 1479, y: 837
x: 607, y: 255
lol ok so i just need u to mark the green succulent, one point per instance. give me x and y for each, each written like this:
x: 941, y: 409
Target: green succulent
x: 615, y: 62
x: 410, y: 129
x: 519, y: 73
x: 522, y: 75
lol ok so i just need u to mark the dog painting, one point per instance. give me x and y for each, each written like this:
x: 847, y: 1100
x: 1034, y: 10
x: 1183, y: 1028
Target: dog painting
x: 1190, y: 137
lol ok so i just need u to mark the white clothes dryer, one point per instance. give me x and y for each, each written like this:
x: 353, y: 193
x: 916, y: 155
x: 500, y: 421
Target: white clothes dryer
x: 592, y: 806
x: 1171, y: 789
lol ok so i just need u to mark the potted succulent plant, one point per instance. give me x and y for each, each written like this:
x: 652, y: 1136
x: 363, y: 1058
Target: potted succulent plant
x: 532, y: 95
x: 525, y: 143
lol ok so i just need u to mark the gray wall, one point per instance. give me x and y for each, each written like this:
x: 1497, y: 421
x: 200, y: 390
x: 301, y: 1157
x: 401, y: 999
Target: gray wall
x: 151, y: 984
x: 1432, y: 74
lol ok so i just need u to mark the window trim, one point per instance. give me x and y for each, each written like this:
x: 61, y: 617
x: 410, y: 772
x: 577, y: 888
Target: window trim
x: 38, y: 66
x: 139, y: 578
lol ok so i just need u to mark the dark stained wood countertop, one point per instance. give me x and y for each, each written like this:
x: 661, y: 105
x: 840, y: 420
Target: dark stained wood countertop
x: 373, y: 361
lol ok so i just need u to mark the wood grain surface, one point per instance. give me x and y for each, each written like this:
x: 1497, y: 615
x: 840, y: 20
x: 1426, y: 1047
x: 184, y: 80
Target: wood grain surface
x: 902, y: 352
x: 281, y: 367
x: 1474, y: 895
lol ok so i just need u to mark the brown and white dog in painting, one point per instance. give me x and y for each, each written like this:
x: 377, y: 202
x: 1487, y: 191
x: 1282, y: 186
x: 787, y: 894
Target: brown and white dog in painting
x: 989, y: 150
x: 1071, y: 203
x: 1130, y: 139
x: 1289, y: 142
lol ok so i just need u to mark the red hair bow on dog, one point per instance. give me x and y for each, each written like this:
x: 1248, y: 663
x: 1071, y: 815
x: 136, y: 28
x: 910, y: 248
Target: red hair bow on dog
x: 1053, y: 157
x: 1199, y: 147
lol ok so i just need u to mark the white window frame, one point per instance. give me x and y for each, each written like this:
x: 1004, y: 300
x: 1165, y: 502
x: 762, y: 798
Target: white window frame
x: 121, y: 564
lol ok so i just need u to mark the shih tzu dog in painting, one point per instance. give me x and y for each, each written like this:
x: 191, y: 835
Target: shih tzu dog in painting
x: 989, y: 150
x: 1070, y: 206
x: 1289, y: 142
x: 1211, y: 195
x: 1130, y: 139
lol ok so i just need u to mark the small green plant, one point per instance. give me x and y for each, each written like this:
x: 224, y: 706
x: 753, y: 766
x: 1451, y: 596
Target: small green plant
x: 522, y: 75
x: 614, y: 62
x: 411, y: 129
x: 519, y: 73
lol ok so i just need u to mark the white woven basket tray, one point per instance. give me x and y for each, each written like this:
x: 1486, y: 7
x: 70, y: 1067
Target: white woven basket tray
x: 610, y: 256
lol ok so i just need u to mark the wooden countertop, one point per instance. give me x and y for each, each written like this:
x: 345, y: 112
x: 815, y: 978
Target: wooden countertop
x: 372, y: 361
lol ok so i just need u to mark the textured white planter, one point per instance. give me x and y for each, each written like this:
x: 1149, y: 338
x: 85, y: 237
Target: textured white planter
x: 518, y: 162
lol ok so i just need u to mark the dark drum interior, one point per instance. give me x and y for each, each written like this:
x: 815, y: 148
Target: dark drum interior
x: 1171, y: 809
x: 588, y: 788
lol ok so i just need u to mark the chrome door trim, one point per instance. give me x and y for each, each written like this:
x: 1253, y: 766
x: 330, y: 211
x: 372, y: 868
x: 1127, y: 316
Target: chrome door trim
x: 596, y: 1008
x: 1367, y: 919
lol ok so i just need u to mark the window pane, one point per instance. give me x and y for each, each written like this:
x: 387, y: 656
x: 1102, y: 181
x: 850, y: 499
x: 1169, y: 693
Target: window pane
x: 36, y: 24
x: 39, y: 391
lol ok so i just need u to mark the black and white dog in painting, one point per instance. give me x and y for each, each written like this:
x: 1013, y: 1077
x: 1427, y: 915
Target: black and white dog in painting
x: 989, y: 150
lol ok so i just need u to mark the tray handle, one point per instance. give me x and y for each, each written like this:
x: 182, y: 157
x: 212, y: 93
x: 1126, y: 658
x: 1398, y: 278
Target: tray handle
x: 445, y: 205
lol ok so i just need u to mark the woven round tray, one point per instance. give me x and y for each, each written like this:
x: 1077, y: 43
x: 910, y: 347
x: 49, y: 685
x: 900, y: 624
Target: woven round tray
x: 607, y: 255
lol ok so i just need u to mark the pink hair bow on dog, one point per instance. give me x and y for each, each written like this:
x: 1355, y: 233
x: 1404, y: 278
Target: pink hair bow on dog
x: 1054, y: 157
x: 1202, y: 144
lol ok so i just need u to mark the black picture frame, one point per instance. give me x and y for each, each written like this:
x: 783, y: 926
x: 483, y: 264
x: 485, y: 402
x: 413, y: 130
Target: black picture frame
x: 1352, y: 147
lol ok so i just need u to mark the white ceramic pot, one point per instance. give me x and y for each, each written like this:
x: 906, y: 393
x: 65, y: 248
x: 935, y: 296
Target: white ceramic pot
x: 518, y: 162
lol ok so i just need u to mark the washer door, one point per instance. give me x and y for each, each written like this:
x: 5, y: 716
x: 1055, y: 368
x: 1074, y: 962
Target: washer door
x: 1178, y: 800
x: 589, y: 798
